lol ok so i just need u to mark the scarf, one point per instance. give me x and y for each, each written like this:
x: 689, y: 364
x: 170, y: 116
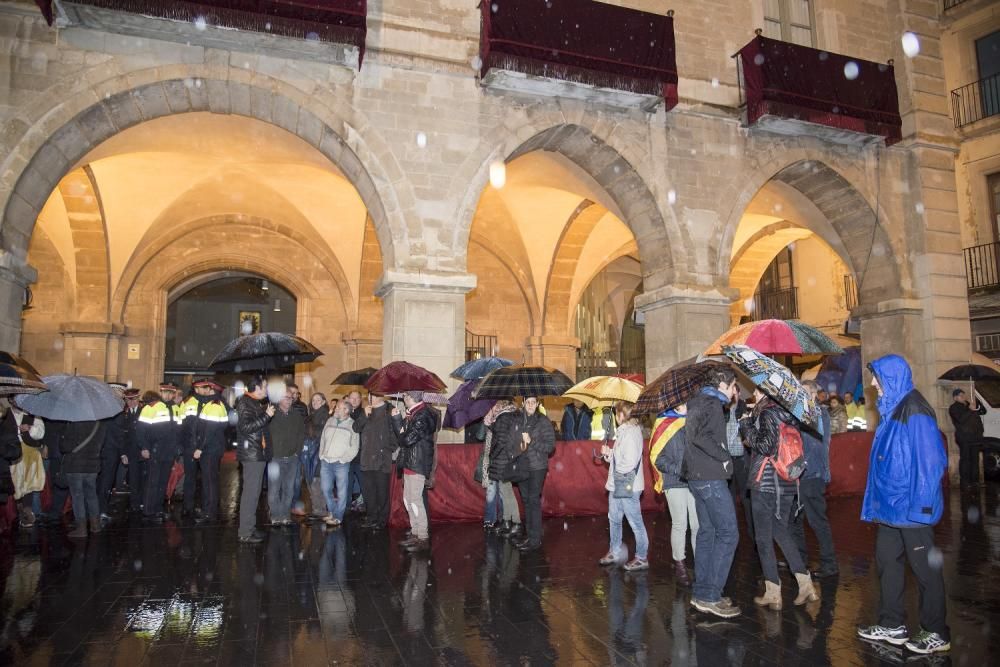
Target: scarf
x: 499, y: 408
x: 412, y: 411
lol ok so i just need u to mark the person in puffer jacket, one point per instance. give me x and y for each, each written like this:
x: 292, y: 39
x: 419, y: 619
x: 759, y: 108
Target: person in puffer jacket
x: 417, y: 461
x: 904, y: 498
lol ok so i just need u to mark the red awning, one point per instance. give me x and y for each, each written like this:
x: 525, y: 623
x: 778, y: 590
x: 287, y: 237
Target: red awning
x: 802, y: 83
x: 583, y: 41
x: 334, y: 21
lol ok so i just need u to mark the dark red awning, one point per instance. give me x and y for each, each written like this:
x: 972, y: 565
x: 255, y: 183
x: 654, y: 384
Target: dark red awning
x: 798, y: 82
x: 334, y: 21
x: 582, y: 41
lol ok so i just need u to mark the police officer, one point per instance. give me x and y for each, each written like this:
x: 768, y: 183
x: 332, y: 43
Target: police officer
x: 205, y: 422
x: 131, y: 452
x: 159, y: 432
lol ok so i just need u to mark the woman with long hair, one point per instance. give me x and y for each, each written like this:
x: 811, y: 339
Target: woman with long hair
x: 625, y: 485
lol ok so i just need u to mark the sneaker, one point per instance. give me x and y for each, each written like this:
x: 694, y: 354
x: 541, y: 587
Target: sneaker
x: 607, y: 559
x: 928, y: 642
x: 880, y: 633
x: 715, y: 608
x: 637, y: 564
x: 331, y: 521
x: 252, y: 538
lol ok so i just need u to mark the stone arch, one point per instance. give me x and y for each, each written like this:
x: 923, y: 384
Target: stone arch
x: 559, y: 288
x: 521, y: 278
x: 51, y: 147
x: 85, y: 213
x: 620, y: 165
x: 868, y: 249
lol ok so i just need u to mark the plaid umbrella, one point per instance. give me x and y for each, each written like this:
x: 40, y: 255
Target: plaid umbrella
x: 399, y: 376
x: 463, y: 409
x: 674, y: 386
x: 774, y: 380
x: 354, y: 378
x: 478, y: 368
x: 264, y: 351
x: 777, y: 337
x: 603, y: 390
x: 511, y: 381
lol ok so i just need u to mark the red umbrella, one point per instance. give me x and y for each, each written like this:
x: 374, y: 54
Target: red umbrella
x: 400, y: 376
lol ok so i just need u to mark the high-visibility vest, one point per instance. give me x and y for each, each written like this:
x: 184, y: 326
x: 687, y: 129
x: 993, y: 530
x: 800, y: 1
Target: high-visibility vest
x: 158, y: 413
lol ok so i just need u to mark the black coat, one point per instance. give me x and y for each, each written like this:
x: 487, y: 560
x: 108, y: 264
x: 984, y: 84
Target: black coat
x: 88, y: 458
x: 10, y: 453
x: 762, y: 435
x: 543, y: 439
x: 968, y: 423
x: 379, y: 437
x: 251, y: 427
x: 502, y: 445
x: 417, y: 441
x: 706, y: 456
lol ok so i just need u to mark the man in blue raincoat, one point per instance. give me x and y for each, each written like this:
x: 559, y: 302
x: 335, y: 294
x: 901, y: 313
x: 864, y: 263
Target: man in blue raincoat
x: 904, y: 498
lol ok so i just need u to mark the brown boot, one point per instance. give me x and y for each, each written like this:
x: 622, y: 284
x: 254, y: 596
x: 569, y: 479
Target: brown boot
x: 681, y: 573
x: 79, y: 532
x: 807, y: 593
x: 95, y: 524
x: 771, y: 597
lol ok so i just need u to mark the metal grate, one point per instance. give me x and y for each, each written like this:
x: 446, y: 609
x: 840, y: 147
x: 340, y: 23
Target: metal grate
x: 988, y: 343
x: 778, y: 304
x: 850, y: 292
x: 976, y: 101
x: 478, y: 346
x: 981, y: 268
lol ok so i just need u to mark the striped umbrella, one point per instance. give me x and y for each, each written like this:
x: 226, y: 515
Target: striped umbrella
x: 511, y: 381
x: 777, y: 337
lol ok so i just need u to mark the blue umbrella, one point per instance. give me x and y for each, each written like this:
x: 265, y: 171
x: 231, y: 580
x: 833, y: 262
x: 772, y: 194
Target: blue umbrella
x: 72, y: 398
x: 463, y: 409
x: 479, y: 368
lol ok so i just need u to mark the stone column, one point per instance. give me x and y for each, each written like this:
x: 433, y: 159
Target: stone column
x: 362, y: 349
x: 891, y: 327
x: 15, y: 277
x: 91, y: 348
x: 555, y: 352
x: 681, y: 321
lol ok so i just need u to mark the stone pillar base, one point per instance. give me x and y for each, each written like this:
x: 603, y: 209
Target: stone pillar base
x: 681, y: 321
x: 555, y: 352
x: 362, y: 349
x: 15, y: 277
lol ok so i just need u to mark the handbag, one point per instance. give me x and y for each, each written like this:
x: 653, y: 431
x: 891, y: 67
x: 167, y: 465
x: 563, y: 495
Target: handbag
x: 624, y: 480
x: 515, y: 471
x: 60, y: 479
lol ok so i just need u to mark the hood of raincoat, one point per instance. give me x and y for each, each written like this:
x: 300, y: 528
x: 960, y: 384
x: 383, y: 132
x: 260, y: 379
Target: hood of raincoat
x: 908, y: 457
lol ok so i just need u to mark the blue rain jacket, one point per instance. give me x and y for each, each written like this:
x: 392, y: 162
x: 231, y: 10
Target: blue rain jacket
x: 908, y: 458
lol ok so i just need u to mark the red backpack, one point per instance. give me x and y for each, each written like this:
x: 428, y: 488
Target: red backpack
x: 790, y: 462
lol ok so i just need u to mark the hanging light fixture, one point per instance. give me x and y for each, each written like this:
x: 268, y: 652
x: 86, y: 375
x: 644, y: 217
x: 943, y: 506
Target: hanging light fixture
x: 277, y: 305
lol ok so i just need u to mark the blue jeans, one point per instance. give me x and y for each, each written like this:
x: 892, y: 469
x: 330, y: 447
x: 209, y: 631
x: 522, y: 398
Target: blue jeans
x: 627, y: 508
x: 282, y: 486
x: 493, y: 502
x: 330, y: 474
x: 309, y: 459
x: 717, y: 538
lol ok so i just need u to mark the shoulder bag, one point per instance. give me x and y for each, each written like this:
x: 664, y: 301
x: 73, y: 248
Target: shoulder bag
x: 60, y: 479
x: 624, y: 480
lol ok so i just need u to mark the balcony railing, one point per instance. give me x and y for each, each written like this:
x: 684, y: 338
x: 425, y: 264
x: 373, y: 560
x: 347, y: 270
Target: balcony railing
x: 786, y: 85
x: 478, y: 346
x: 590, y: 44
x: 778, y: 304
x: 850, y: 292
x: 981, y: 267
x: 976, y: 101
x: 988, y: 344
x: 948, y: 4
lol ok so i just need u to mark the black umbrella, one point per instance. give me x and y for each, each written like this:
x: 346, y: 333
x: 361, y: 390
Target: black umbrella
x: 354, y: 378
x: 970, y: 373
x: 264, y: 351
x: 511, y: 381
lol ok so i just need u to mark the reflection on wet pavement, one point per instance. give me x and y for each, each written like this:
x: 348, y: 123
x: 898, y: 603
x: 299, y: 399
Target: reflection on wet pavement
x: 180, y: 594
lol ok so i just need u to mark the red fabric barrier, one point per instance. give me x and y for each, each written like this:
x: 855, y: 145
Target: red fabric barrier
x: 573, y: 487
x: 849, y: 453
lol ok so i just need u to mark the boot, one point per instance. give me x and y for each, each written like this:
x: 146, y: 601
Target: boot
x: 516, y: 532
x: 806, y: 591
x: 681, y: 573
x: 95, y: 524
x: 771, y: 597
x: 503, y: 527
x: 80, y: 531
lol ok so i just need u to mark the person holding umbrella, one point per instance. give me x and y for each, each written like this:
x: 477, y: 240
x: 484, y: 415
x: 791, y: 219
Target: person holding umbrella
x: 417, y: 461
x: 967, y: 418
x: 159, y: 432
x: 379, y: 426
x: 81, y: 445
x: 251, y: 445
x: 498, y: 451
x: 535, y: 438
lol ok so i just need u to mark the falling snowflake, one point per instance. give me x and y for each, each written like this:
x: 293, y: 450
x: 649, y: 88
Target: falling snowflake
x: 715, y: 82
x: 200, y: 23
x: 851, y: 70
x: 421, y: 139
x: 911, y: 44
x: 671, y: 196
x: 758, y: 59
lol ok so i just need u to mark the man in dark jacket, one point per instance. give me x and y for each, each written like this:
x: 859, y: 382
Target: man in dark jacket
x: 417, y: 461
x: 708, y: 467
x: 534, y: 441
x: 112, y: 454
x: 575, y: 423
x: 354, y: 478
x: 251, y: 445
x: 967, y: 418
x: 812, y: 490
x: 81, y: 445
x: 288, y: 434
x: 904, y: 498
x: 379, y: 425
x: 205, y: 421
x: 132, y: 453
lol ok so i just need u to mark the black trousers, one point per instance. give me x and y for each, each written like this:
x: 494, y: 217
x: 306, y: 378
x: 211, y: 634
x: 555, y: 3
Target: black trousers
x: 375, y: 489
x: 769, y: 528
x: 968, y: 462
x: 156, y: 486
x: 138, y: 472
x: 106, y: 479
x: 531, y: 496
x: 916, y: 545
x: 739, y: 484
x: 812, y: 496
x: 208, y: 464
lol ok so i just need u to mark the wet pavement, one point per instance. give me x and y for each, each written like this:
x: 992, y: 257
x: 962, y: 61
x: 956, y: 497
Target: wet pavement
x: 180, y: 594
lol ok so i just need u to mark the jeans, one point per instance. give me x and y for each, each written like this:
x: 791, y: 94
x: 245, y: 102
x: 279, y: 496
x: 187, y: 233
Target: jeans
x: 375, y: 489
x: 683, y: 514
x: 253, y: 479
x: 83, y: 490
x: 769, y: 528
x: 493, y: 501
x: 309, y: 459
x: 531, y: 495
x: 508, y: 501
x: 413, y: 501
x: 812, y: 497
x: 717, y: 538
x: 917, y: 546
x: 740, y: 486
x: 356, y: 479
x: 282, y: 486
x: 629, y: 509
x: 331, y: 474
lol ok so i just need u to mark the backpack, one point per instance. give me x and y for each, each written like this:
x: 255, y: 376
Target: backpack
x: 790, y: 462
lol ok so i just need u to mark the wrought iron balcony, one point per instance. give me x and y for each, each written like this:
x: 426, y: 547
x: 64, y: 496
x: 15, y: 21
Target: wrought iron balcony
x: 948, y: 4
x: 600, y: 52
x: 982, y: 269
x: 778, y: 304
x: 976, y: 101
x: 798, y: 90
x: 478, y: 346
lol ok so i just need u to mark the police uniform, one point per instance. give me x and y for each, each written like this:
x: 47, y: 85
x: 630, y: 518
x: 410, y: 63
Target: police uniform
x: 205, y: 421
x: 111, y: 453
x: 159, y: 433
x: 137, y: 466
